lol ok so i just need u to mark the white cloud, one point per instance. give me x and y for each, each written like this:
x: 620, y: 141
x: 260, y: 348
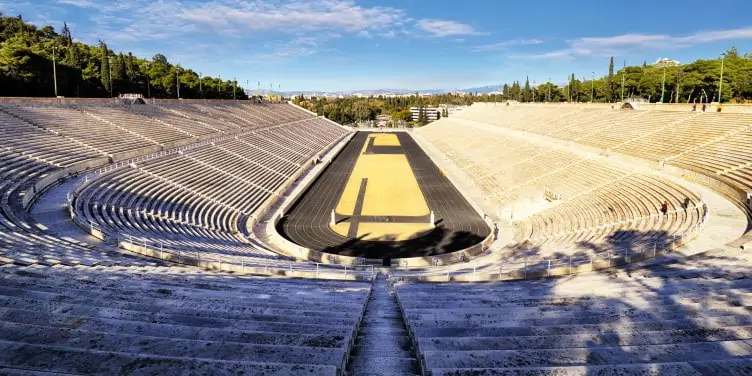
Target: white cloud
x: 78, y: 3
x: 446, y: 28
x: 506, y: 44
x: 626, y: 43
x: 298, y: 15
x: 235, y: 29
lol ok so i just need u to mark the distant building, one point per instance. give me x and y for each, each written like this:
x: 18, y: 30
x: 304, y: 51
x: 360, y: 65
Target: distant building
x: 431, y: 114
x: 666, y: 62
x: 451, y: 108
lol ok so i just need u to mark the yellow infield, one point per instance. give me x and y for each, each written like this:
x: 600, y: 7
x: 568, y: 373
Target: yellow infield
x: 385, y: 139
x: 391, y: 190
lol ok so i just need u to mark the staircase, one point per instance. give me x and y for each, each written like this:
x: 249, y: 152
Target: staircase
x: 382, y: 346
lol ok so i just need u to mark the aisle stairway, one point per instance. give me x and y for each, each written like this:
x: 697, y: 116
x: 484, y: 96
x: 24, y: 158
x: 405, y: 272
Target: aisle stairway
x: 382, y: 346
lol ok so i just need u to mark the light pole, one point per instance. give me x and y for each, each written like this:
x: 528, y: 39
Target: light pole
x: 720, y: 82
x: 220, y: 86
x: 148, y: 81
x: 234, y: 88
x: 200, y: 89
x: 663, y: 85
x: 54, y: 68
x: 623, y: 73
x: 549, y: 90
x: 177, y: 80
x: 592, y: 88
x: 109, y: 67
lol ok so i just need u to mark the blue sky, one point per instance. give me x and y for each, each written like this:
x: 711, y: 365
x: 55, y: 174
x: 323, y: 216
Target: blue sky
x: 411, y: 44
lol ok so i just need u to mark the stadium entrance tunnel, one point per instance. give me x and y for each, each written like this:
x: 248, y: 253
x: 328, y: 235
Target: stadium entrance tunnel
x: 382, y: 198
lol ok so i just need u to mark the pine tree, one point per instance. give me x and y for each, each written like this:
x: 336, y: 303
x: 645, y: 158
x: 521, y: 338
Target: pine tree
x: 65, y: 36
x: 73, y: 56
x: 527, y: 92
x: 105, y: 70
x: 610, y: 82
x: 118, y: 73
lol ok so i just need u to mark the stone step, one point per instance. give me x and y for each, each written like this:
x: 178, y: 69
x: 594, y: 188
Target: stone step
x: 161, y: 302
x: 183, y: 316
x: 171, y: 347
x: 381, y: 352
x: 589, y: 329
x: 378, y: 340
x: 587, y: 356
x: 659, y: 369
x: 324, y: 338
x: 628, y: 338
x: 733, y: 367
x: 4, y: 371
x: 380, y: 319
x: 636, y: 316
x: 395, y: 330
x: 72, y: 360
x: 392, y: 365
x: 144, y: 323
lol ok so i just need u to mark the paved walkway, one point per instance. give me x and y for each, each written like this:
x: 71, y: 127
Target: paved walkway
x: 51, y: 210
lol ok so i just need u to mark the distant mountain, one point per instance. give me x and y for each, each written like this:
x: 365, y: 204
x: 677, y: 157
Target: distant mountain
x: 377, y: 92
x: 484, y: 89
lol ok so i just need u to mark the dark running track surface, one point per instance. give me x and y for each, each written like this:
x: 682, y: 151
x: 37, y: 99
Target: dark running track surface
x: 458, y: 226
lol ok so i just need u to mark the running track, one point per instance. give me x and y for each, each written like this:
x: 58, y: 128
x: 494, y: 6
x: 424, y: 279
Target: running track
x: 458, y: 226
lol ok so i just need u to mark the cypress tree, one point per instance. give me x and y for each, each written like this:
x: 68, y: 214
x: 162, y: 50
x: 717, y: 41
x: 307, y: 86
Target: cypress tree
x: 118, y: 73
x: 105, y: 71
x: 526, y: 94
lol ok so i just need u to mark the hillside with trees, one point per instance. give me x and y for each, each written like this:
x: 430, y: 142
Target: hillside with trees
x: 29, y: 56
x: 695, y: 82
x: 351, y: 109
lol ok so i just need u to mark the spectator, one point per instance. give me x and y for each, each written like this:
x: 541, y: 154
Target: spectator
x: 664, y: 208
x: 703, y: 107
x: 720, y: 107
x: 694, y: 107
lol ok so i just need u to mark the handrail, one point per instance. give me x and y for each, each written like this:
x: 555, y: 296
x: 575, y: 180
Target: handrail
x: 539, y: 267
x: 247, y: 265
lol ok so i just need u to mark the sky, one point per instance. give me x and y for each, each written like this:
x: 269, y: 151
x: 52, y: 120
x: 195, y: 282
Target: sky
x: 344, y: 45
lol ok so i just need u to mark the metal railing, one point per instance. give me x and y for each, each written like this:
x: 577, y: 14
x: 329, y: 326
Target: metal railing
x: 216, y: 262
x: 540, y: 267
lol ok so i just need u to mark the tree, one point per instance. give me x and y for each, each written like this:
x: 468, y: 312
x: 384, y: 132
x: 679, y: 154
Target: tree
x: 402, y: 115
x: 527, y: 93
x: 118, y: 74
x: 611, y: 94
x: 105, y: 71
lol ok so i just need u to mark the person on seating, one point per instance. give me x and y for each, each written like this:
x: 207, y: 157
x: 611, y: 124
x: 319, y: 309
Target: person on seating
x: 720, y: 108
x: 664, y: 208
x: 703, y: 107
x: 694, y: 107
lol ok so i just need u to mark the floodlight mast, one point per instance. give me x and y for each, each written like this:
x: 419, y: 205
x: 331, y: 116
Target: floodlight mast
x: 54, y: 68
x: 623, y: 73
x: 663, y: 85
x: 720, y: 81
x: 109, y: 67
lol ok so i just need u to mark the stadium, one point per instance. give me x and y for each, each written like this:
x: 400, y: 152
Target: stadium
x: 149, y: 235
